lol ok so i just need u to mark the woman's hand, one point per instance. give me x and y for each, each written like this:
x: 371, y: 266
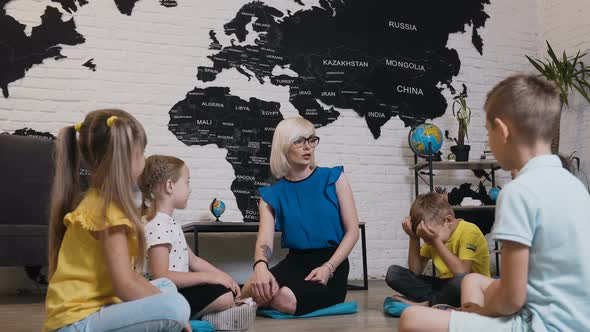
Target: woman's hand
x: 187, y: 328
x: 320, y: 275
x: 264, y: 284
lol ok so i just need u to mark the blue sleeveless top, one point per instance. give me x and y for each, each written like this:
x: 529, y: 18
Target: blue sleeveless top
x: 307, y: 211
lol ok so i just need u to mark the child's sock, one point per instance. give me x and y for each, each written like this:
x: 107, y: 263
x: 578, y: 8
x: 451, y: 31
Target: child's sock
x: 236, y: 318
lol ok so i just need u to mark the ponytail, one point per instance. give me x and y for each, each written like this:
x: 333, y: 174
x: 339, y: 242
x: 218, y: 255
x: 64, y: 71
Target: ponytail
x: 149, y: 205
x: 65, y: 190
x: 114, y: 179
x: 107, y: 142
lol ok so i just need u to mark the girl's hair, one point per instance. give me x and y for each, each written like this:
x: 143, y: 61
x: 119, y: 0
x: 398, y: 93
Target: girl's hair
x: 108, y: 151
x: 287, y: 132
x: 158, y: 169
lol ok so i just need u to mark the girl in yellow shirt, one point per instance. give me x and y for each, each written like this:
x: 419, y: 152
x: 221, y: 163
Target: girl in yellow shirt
x: 96, y: 243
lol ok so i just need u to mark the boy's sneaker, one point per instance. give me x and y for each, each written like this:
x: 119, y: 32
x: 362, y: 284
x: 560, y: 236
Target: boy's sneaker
x: 442, y: 306
x: 236, y: 318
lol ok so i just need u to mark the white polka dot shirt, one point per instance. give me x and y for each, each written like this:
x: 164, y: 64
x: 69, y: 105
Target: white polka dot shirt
x: 164, y: 230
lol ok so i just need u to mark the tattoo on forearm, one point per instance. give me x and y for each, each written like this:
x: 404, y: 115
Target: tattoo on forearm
x: 266, y: 251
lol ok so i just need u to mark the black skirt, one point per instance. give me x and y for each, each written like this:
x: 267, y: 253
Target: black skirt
x: 311, y: 296
x: 200, y: 296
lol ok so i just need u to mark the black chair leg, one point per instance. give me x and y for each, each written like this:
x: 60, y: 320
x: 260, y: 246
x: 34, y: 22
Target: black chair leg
x: 34, y: 273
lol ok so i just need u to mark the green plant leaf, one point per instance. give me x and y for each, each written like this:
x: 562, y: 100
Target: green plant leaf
x: 551, y: 53
x: 568, y: 73
x: 462, y: 113
x: 584, y: 89
x: 583, y: 92
x: 537, y: 64
x: 576, y: 59
x: 552, y: 72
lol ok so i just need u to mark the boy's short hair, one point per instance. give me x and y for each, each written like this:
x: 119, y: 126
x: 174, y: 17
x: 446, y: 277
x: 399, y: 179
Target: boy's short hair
x: 530, y: 103
x: 430, y: 206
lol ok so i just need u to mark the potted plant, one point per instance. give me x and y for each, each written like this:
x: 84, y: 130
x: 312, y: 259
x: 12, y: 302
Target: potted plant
x: 462, y: 113
x: 569, y: 74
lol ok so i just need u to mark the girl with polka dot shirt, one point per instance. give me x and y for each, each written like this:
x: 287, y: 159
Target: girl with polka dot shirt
x: 211, y: 293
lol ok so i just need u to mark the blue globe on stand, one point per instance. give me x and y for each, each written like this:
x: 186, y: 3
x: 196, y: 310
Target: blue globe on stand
x: 423, y: 136
x: 493, y: 193
x: 217, y: 208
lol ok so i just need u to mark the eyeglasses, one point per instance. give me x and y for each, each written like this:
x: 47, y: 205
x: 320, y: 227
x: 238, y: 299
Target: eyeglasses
x: 313, y: 141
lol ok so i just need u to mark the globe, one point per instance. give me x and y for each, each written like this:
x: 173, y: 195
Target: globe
x: 420, y: 137
x: 493, y: 193
x: 217, y: 208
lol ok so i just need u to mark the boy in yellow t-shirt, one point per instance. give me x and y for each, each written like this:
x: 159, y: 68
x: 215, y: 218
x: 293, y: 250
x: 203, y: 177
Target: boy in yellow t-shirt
x: 457, y: 247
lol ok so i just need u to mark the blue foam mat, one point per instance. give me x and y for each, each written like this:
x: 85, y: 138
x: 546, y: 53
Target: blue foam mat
x: 201, y: 326
x: 344, y: 308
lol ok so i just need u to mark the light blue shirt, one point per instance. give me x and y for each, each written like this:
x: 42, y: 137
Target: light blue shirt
x: 548, y: 209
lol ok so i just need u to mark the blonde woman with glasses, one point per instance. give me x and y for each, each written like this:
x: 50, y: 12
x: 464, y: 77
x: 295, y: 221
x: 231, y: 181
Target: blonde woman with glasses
x: 314, y: 209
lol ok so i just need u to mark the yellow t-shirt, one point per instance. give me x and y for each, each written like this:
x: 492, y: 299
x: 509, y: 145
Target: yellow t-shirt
x: 81, y: 284
x: 468, y: 243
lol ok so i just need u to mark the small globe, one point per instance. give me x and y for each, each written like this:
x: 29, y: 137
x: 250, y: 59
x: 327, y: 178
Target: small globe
x: 420, y: 137
x: 493, y: 193
x: 217, y: 208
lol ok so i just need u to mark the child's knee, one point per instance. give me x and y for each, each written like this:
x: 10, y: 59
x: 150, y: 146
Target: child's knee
x: 476, y: 280
x: 410, y: 319
x: 284, y: 301
x: 164, y: 285
x: 173, y: 306
x: 225, y: 301
x: 393, y: 275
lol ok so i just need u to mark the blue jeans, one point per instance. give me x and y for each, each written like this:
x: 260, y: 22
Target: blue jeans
x: 167, y: 311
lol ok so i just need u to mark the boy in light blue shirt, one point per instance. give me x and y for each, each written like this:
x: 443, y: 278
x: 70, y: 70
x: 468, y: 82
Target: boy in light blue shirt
x: 542, y: 220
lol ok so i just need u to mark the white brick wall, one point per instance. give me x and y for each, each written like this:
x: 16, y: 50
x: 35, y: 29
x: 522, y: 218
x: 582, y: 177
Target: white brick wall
x: 566, y: 26
x: 147, y: 62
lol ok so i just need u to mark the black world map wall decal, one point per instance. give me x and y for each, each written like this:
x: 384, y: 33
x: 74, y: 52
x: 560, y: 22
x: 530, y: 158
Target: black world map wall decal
x: 379, y: 58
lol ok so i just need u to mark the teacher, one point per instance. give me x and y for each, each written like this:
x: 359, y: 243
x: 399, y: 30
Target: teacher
x: 314, y: 209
